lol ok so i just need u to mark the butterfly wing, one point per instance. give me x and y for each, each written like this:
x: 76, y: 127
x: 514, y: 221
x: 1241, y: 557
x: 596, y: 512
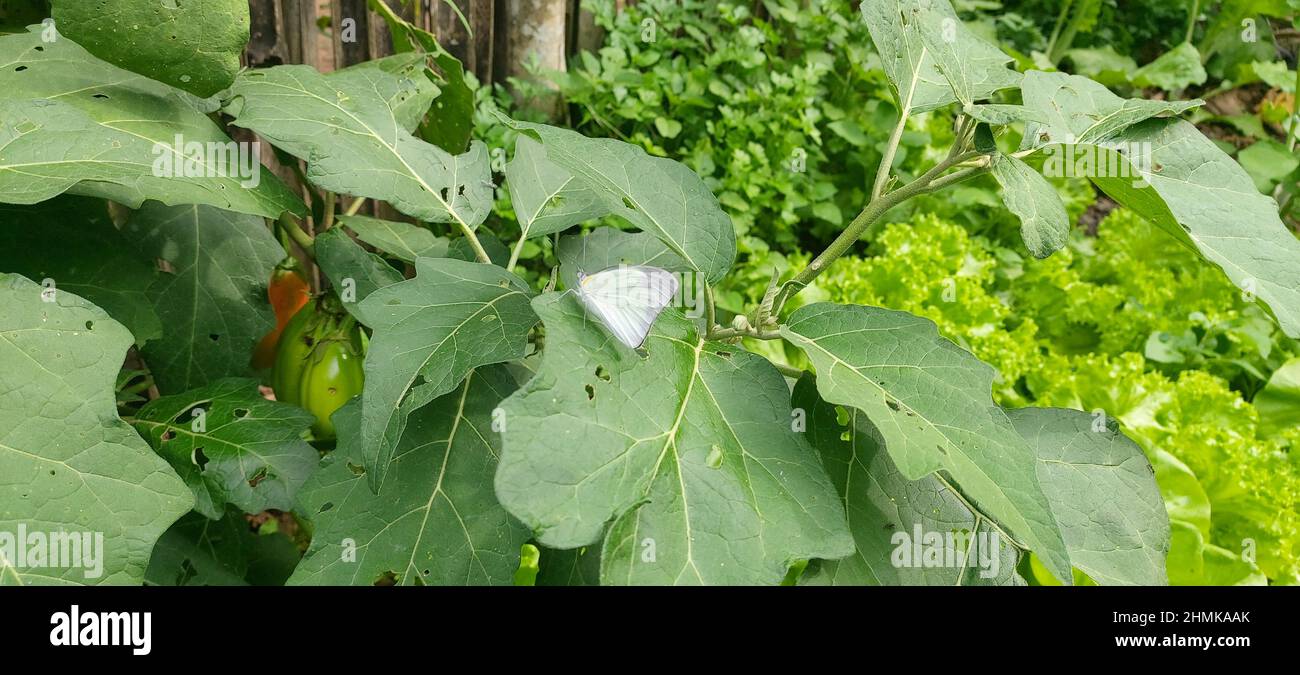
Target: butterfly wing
x: 628, y: 299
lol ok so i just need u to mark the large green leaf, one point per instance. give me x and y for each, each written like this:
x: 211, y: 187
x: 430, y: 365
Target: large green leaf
x: 931, y: 57
x: 193, y: 46
x: 654, y: 194
x: 199, y: 551
x: 1185, y: 184
x: 435, y: 520
x: 403, y: 241
x: 688, y: 455
x: 1103, y: 492
x: 211, y: 297
x: 67, y: 462
x: 1072, y: 109
x: 1174, y: 70
x: 231, y: 445
x: 429, y: 332
x: 72, y: 123
x: 354, y: 272
x: 1044, y: 225
x: 353, y: 127
x: 546, y: 198
x: 932, y: 403
x: 72, y: 242
x: 891, y: 517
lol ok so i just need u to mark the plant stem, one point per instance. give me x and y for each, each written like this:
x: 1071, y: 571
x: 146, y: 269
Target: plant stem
x: 355, y: 206
x: 710, y: 312
x: 1056, y: 31
x: 887, y: 159
x: 928, y: 182
x: 732, y: 333
x: 519, y: 246
x: 1191, y: 20
x: 138, y: 387
x: 474, y: 243
x: 290, y: 226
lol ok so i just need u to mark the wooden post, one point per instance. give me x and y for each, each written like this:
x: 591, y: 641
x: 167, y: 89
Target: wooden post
x: 350, y: 20
x: 534, y: 30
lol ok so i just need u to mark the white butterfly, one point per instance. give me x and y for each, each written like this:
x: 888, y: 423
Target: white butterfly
x: 627, y: 299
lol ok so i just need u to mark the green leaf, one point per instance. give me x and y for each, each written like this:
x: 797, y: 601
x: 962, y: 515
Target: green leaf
x: 1175, y: 70
x: 429, y: 333
x: 435, y: 520
x: 547, y: 198
x: 353, y: 132
x: 891, y: 516
x: 72, y: 123
x: 72, y: 242
x: 1044, y: 225
x: 1001, y: 114
x: 607, y: 247
x: 193, y: 46
x: 655, y: 195
x: 212, y: 296
x: 1268, y: 163
x: 1072, y: 109
x: 931, y: 58
x: 1104, y: 65
x: 450, y: 122
x: 231, y: 445
x: 569, y: 567
x: 403, y: 241
x: 198, y: 551
x: 1103, y: 494
x: 687, y: 454
x: 1278, y: 402
x: 933, y: 405
x: 67, y: 462
x: 1184, y: 184
x: 354, y: 272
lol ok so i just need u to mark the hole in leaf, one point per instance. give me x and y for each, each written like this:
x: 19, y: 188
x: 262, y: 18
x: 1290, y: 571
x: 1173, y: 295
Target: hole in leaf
x: 90, y: 325
x: 168, y: 435
x: 325, y: 507
x: 100, y: 96
x: 241, y: 413
x: 40, y: 48
x: 388, y: 578
x: 214, y: 337
x: 20, y: 69
x: 725, y: 355
x: 591, y: 393
x: 602, y: 373
x: 893, y: 405
x: 356, y: 470
x: 258, y: 476
x: 628, y: 203
x: 200, y: 460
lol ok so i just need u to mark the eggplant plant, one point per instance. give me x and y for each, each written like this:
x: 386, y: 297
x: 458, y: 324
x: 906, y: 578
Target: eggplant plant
x: 498, y: 419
